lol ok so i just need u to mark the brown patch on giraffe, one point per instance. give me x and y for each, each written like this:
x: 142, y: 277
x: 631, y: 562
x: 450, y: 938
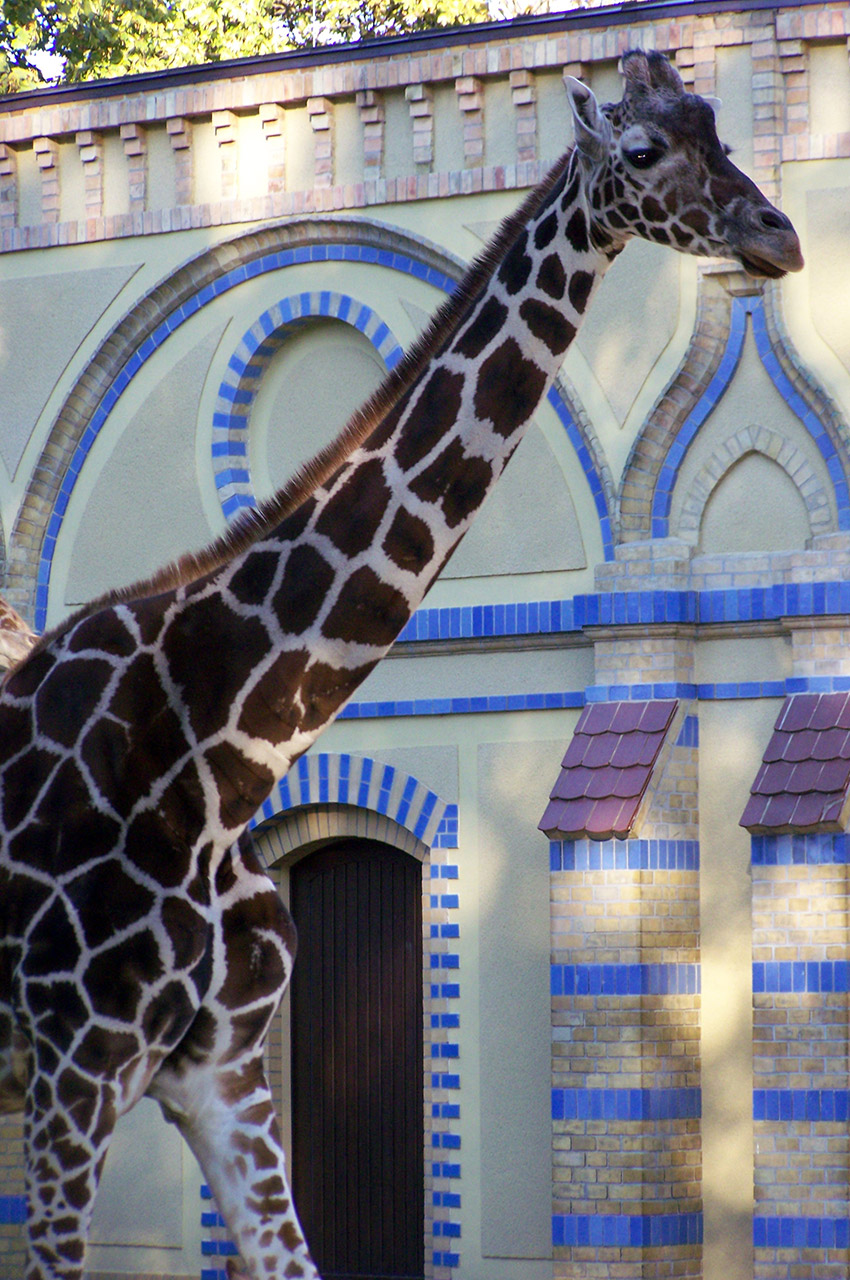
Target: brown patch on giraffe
x: 548, y: 324
x: 168, y: 1016
x: 481, y: 331
x: 576, y: 231
x: 198, y: 646
x: 516, y: 265
x: 252, y: 581
x: 54, y: 946
x: 290, y: 1237
x: 454, y: 481
x: 409, y: 542
x: 652, y: 210
x: 57, y: 1010
x: 353, y: 513
x: 367, y: 611
x: 129, y: 902
x: 104, y: 632
x: 26, y: 679
x: 509, y: 388
x: 433, y: 414
x: 150, y: 845
x: 242, y: 784
x: 581, y: 283
x: 78, y: 1098
x: 253, y: 930
x: 324, y: 688
x: 20, y: 780
x: 269, y: 711
x: 188, y: 931
x: 545, y: 231
x: 102, y: 1051
x: 551, y: 278
x: 306, y: 581
x: 68, y: 696
x: 293, y: 1270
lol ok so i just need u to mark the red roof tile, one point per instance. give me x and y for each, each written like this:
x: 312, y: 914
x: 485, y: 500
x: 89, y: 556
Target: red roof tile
x: 805, y: 773
x: 606, y: 769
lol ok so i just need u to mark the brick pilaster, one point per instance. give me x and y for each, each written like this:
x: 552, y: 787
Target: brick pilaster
x: 8, y: 186
x: 226, y: 130
x: 135, y: 142
x: 90, y: 147
x: 470, y: 99
x: 321, y: 113
x: 420, y: 98
x: 272, y: 119
x: 47, y: 158
x: 524, y: 95
x: 371, y: 107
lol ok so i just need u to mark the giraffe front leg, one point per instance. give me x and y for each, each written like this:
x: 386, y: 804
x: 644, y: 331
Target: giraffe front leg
x: 227, y: 1116
x: 66, y: 1146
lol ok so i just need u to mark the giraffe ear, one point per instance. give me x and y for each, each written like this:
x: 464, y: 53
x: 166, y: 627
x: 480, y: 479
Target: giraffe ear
x: 592, y: 128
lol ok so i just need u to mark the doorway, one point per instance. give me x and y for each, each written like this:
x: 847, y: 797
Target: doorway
x: 357, y: 1060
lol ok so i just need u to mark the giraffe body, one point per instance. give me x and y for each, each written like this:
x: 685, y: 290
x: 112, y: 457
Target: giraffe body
x: 144, y: 950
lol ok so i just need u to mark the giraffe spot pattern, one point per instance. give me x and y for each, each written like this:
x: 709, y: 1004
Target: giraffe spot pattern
x: 367, y: 611
x: 433, y: 414
x: 242, y: 784
x: 253, y: 580
x: 581, y: 283
x: 307, y: 578
x: 324, y: 688
x: 454, y: 482
x: 409, y: 542
x: 548, y: 324
x: 481, y: 331
x: 68, y: 696
x: 551, y: 277
x: 545, y: 231
x: 269, y: 709
x: 576, y: 231
x: 516, y: 267
x: 508, y: 389
x: 353, y: 513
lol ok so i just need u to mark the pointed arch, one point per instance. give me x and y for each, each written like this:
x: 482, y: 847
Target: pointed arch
x: 727, y: 304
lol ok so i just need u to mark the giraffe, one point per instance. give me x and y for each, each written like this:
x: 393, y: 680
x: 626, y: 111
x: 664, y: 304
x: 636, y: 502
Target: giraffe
x: 144, y: 951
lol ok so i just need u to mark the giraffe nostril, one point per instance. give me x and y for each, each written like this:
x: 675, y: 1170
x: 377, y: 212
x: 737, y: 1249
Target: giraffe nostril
x: 772, y: 220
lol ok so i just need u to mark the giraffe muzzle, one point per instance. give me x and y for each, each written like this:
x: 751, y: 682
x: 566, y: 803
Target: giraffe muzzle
x: 770, y: 247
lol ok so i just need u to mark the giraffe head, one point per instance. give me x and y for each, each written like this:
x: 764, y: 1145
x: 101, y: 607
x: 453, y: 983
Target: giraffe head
x: 654, y: 167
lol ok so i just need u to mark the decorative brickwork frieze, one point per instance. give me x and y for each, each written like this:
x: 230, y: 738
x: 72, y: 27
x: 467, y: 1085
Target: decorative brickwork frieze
x: 524, y: 95
x: 273, y: 121
x: 8, y: 186
x: 470, y: 100
x: 179, y: 131
x: 90, y: 146
x: 226, y: 130
x: 134, y: 138
x: 321, y: 113
x: 47, y: 158
x: 371, y: 107
x: 420, y: 98
x: 797, y: 30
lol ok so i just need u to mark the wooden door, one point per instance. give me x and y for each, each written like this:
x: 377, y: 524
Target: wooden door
x: 357, y: 1083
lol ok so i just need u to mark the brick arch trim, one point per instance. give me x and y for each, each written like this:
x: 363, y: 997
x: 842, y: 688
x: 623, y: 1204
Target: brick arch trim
x: 163, y: 310
x: 699, y: 384
x: 361, y: 783
x: 771, y: 445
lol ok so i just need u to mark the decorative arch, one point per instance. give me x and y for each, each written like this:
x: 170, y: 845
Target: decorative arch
x: 726, y: 300
x: 161, y: 312
x: 247, y: 366
x: 772, y: 445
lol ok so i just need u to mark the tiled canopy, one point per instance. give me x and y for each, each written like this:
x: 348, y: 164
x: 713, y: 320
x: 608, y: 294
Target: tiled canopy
x: 802, y: 785
x: 607, y: 769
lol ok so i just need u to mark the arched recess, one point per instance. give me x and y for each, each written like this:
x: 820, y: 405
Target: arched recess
x: 762, y: 441
x: 163, y: 310
x: 728, y: 301
x: 333, y: 800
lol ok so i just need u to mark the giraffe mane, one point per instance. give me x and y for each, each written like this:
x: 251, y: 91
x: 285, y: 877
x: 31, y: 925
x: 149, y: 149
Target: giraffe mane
x: 253, y: 524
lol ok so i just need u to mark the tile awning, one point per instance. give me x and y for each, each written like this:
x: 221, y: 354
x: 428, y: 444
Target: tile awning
x: 606, y: 770
x: 803, y: 781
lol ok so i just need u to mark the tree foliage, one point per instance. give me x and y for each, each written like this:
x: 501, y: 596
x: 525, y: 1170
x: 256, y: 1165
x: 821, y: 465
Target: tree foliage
x: 50, y: 41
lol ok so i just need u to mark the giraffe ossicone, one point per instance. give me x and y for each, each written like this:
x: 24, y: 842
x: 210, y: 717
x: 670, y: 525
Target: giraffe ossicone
x: 144, y: 951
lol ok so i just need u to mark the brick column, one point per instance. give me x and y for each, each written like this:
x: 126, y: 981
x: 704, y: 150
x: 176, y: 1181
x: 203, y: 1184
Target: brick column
x: 371, y: 107
x: 272, y: 119
x: 179, y: 132
x: 524, y: 95
x: 8, y: 187
x: 321, y: 113
x: 226, y: 130
x: 470, y: 98
x: 135, y: 141
x: 90, y: 146
x: 420, y: 98
x: 47, y: 158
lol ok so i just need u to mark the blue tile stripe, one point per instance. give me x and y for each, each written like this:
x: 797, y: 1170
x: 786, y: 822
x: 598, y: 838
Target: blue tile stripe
x: 365, y: 320
x: 815, y: 1105
x: 625, y: 979
x: 802, y: 1233
x: 813, y: 850
x: 327, y: 778
x: 637, y: 1105
x: 13, y: 1210
x: 801, y: 976
x: 486, y: 705
x: 625, y: 1231
x: 624, y: 855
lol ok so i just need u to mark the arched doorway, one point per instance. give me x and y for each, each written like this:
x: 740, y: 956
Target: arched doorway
x: 357, y: 1068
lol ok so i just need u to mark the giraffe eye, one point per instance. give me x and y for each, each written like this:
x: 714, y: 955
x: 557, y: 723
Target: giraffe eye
x: 643, y: 157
